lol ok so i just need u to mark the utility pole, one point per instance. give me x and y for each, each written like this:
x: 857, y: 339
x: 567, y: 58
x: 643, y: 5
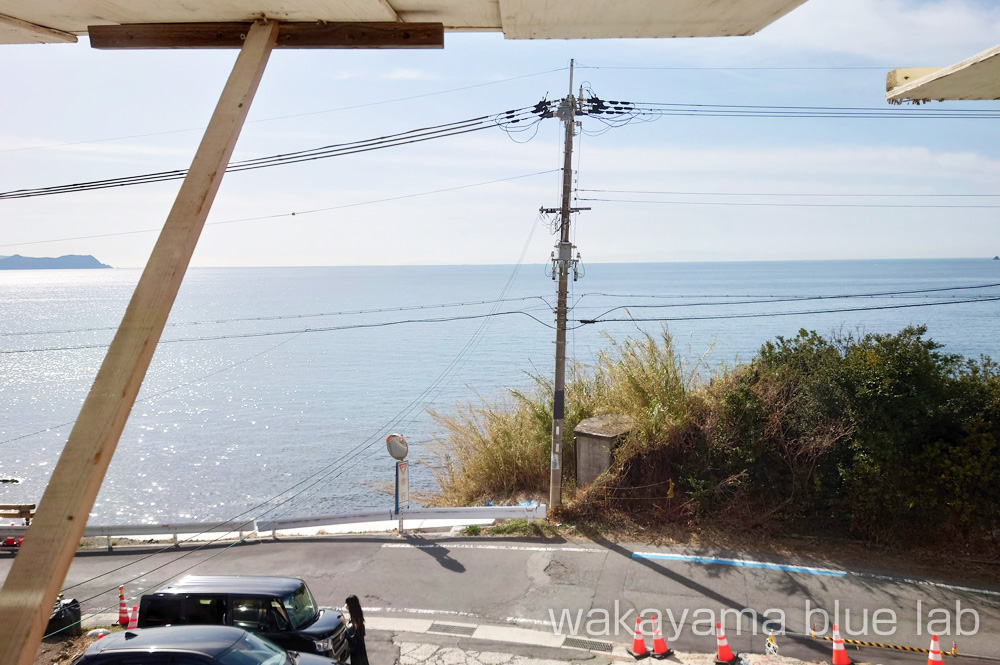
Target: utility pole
x: 563, y: 262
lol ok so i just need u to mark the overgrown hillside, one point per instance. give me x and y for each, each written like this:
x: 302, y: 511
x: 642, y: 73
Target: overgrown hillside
x: 883, y: 437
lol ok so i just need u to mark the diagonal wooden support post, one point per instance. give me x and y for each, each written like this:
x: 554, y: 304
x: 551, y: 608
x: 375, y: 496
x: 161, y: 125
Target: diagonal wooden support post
x: 40, y: 568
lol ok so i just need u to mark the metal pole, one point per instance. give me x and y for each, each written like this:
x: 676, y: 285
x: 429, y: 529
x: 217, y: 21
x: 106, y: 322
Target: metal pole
x: 564, y: 259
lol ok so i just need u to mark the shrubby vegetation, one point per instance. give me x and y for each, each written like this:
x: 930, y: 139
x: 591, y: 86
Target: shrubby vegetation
x: 884, y: 437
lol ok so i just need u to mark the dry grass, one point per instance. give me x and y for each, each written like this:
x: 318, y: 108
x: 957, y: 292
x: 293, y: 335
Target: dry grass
x: 493, y: 452
x: 500, y: 451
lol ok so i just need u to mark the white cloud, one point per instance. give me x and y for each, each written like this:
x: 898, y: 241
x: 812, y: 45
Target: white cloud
x: 405, y: 74
x: 907, y: 32
x: 833, y: 164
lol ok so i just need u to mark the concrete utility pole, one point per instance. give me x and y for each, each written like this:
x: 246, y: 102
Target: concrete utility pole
x: 562, y: 261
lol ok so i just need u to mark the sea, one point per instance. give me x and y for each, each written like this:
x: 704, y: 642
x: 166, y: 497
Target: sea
x: 273, y: 389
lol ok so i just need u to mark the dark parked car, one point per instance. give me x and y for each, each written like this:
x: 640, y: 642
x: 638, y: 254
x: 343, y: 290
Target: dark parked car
x: 191, y: 645
x: 280, y: 609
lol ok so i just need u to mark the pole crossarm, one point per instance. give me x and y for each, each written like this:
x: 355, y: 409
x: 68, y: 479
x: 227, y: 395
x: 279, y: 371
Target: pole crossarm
x: 301, y: 35
x: 554, y: 211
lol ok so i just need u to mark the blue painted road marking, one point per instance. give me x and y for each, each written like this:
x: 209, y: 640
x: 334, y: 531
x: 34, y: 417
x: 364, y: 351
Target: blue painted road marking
x: 741, y: 563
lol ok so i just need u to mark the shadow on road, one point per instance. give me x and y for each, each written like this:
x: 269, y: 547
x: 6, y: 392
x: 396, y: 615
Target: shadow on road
x: 436, y: 550
x: 696, y: 587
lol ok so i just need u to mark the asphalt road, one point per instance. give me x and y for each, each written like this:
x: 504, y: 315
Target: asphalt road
x: 529, y: 583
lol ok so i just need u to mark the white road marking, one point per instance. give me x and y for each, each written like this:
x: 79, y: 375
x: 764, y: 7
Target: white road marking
x: 415, y: 610
x: 493, y: 632
x: 398, y: 624
x: 473, y: 546
x: 939, y: 585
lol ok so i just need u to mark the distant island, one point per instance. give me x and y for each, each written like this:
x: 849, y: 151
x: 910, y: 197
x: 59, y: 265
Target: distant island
x: 70, y: 262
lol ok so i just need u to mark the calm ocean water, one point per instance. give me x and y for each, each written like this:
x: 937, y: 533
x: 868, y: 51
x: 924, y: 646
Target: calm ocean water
x: 229, y: 423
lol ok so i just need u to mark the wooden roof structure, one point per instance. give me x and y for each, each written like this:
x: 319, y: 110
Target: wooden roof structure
x: 45, y: 21
x: 255, y: 28
x: 975, y: 78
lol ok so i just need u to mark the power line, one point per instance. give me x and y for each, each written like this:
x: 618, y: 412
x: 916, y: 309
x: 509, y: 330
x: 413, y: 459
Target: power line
x: 285, y: 117
x: 584, y: 322
x: 846, y: 296
x: 355, y: 326
x: 778, y: 107
x: 676, y: 296
x: 505, y: 120
x: 617, y: 113
x: 788, y: 194
x: 760, y: 68
x: 285, y: 317
x: 912, y: 115
x: 754, y: 299
x: 772, y: 204
x: 297, y: 213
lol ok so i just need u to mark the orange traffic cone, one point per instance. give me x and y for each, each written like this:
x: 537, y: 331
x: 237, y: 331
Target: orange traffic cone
x: 122, y: 610
x: 660, y: 648
x: 133, y: 618
x: 638, y: 650
x: 839, y: 652
x: 934, y: 655
x: 725, y: 653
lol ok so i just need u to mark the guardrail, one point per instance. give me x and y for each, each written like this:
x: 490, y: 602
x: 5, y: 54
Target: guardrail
x: 274, y: 526
x: 472, y: 513
x: 174, y: 530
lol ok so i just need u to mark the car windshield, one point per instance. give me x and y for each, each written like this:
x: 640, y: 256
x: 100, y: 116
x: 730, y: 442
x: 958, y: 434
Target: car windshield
x: 252, y: 650
x: 300, y: 606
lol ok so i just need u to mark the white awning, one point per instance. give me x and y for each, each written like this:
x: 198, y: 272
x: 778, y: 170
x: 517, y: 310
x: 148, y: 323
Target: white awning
x: 46, y: 21
x: 977, y: 77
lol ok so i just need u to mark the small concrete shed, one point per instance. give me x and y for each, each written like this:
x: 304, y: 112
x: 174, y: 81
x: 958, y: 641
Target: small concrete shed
x: 596, y: 440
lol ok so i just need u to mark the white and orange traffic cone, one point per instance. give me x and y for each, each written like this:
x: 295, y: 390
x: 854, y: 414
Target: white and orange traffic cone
x: 660, y: 648
x: 638, y: 650
x: 133, y: 618
x: 839, y: 652
x: 934, y: 655
x: 122, y: 610
x: 725, y: 654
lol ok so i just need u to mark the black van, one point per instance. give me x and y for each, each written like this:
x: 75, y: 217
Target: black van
x: 280, y: 609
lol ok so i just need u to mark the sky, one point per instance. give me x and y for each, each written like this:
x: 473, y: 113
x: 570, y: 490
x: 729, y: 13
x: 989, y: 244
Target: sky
x: 70, y: 113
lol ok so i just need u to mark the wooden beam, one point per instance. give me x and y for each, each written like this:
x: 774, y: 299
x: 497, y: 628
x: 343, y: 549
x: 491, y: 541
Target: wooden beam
x: 900, y: 77
x: 50, y: 543
x: 290, y: 35
x: 977, y: 77
x: 31, y: 33
x: 389, y: 10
